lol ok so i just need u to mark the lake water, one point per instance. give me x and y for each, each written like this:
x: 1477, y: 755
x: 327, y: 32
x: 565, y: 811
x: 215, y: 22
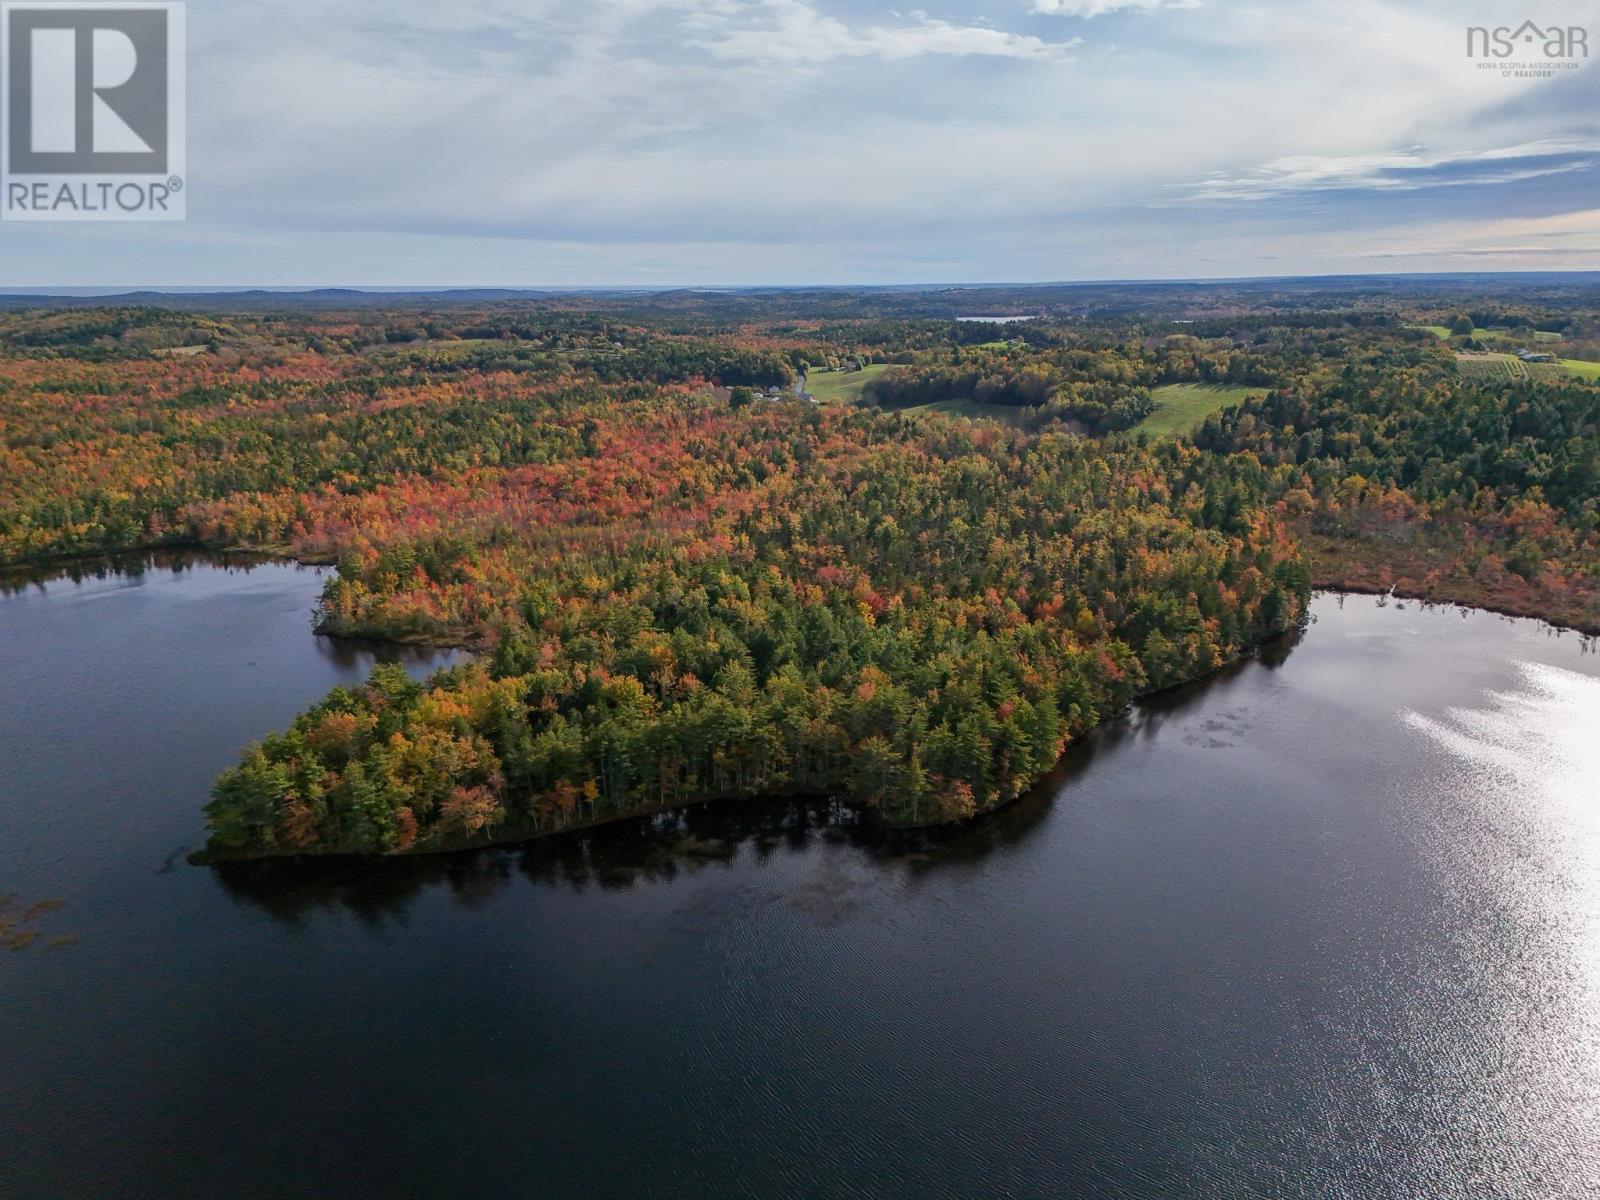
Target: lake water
x: 1326, y: 927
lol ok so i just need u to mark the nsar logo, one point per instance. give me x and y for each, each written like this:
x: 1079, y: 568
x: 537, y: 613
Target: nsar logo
x: 1528, y: 51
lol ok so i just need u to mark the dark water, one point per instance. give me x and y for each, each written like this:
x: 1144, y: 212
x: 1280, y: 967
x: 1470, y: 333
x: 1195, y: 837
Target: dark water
x: 1325, y: 928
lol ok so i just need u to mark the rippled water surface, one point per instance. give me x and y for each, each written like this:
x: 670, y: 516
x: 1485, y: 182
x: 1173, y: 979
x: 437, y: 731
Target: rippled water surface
x: 1326, y: 927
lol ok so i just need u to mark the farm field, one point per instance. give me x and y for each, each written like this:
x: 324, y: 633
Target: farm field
x: 1491, y: 366
x: 842, y: 387
x: 1583, y: 370
x: 1510, y: 367
x: 1181, y: 407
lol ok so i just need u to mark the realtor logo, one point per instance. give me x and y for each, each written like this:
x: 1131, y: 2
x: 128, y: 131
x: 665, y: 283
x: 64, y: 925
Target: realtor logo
x: 91, y: 110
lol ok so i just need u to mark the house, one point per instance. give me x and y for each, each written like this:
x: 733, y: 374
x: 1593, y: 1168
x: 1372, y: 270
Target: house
x: 1535, y: 356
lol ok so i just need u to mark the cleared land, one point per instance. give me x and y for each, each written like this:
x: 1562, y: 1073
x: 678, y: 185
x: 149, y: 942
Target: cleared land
x: 842, y: 387
x: 1182, y: 407
x: 1511, y: 368
x: 1519, y: 337
x: 1522, y: 337
x: 1491, y: 366
x: 971, y: 409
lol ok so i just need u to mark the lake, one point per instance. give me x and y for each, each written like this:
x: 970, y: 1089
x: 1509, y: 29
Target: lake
x: 1328, y: 926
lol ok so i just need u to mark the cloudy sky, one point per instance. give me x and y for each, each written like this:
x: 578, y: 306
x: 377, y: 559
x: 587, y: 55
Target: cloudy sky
x: 666, y: 142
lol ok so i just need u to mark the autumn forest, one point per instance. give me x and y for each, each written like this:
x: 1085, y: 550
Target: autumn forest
x: 720, y: 545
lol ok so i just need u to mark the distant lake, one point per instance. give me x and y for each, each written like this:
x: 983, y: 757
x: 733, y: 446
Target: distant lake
x: 1328, y: 926
x: 998, y: 320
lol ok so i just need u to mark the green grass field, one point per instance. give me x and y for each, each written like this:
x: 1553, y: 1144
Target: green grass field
x: 1515, y: 339
x: 1182, y: 407
x: 1521, y: 337
x: 971, y: 409
x: 842, y: 387
x: 1509, y: 367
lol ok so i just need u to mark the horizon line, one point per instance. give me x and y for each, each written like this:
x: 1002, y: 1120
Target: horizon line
x: 97, y: 291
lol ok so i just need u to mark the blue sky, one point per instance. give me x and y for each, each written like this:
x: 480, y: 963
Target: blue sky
x: 663, y: 142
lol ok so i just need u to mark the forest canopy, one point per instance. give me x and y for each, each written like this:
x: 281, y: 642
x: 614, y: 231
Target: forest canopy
x: 684, y: 579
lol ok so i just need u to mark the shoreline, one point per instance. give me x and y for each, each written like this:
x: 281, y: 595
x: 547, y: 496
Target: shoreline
x: 61, y: 566
x: 66, y: 566
x: 1400, y: 592
x: 39, y: 569
x: 45, y: 567
x: 524, y: 835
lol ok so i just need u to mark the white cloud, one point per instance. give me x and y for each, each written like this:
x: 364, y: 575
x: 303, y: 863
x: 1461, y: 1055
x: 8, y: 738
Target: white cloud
x: 1401, y: 170
x: 527, y: 141
x: 790, y: 31
x: 1099, y: 8
x: 1574, y: 237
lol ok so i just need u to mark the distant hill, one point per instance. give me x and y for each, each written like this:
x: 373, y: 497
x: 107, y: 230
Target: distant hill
x: 1155, y: 298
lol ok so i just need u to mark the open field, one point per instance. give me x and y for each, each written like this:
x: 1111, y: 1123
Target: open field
x: 1583, y: 370
x: 1510, y: 367
x: 970, y: 408
x: 1491, y: 366
x: 842, y: 387
x: 1516, y: 337
x: 1522, y: 337
x: 1181, y: 407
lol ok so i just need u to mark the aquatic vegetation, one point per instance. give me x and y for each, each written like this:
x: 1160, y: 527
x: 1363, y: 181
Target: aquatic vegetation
x: 19, y: 929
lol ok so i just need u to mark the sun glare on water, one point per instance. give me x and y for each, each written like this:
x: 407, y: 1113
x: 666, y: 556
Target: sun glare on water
x: 1519, y: 848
